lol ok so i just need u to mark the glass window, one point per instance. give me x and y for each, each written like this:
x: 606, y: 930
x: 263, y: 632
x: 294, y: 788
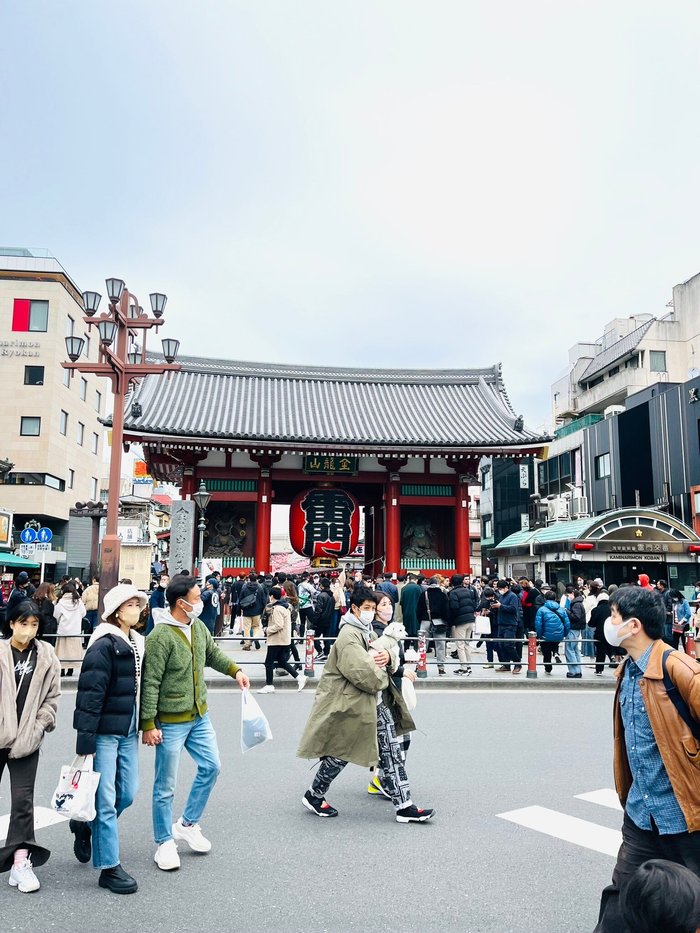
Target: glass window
x: 633, y: 362
x: 81, y: 433
x: 30, y: 427
x: 486, y: 479
x: 488, y: 528
x: 70, y: 326
x: 553, y: 469
x: 98, y: 401
x: 565, y: 465
x: 63, y: 428
x: 95, y: 443
x: 613, y: 372
x: 657, y: 361
x: 83, y: 389
x: 86, y: 348
x: 71, y: 478
x: 602, y: 466
x: 54, y: 482
x: 39, y: 316
x: 93, y: 494
x: 66, y: 378
x: 34, y: 375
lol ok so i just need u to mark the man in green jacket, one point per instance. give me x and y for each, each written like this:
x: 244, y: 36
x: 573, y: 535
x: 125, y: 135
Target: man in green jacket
x: 358, y: 715
x: 174, y: 715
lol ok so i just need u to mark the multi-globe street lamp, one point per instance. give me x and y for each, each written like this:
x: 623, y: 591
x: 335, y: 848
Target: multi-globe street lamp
x: 122, y: 361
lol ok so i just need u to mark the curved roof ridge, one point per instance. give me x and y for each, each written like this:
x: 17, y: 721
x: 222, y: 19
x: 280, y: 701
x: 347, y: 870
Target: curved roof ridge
x: 490, y: 374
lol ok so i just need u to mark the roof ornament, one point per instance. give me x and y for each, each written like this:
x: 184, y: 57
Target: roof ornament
x: 519, y: 423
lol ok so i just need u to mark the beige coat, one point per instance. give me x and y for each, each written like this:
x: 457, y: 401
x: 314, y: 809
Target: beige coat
x: 39, y: 713
x: 91, y: 597
x: 279, y: 626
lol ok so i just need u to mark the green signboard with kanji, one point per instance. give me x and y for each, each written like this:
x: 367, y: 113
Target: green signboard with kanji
x: 323, y: 464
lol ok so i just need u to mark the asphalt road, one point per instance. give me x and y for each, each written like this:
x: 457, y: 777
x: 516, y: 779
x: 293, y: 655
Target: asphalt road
x: 275, y: 867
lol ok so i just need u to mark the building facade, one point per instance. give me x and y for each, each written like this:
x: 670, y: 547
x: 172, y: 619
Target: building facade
x: 49, y: 422
x: 405, y: 445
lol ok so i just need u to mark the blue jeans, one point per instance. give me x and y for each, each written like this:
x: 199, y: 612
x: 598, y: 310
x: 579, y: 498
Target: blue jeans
x: 199, y: 738
x: 572, y: 650
x: 91, y: 616
x: 117, y: 760
x: 588, y: 646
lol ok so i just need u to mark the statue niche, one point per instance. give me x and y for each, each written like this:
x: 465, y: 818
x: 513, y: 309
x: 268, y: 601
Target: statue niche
x: 226, y: 531
x: 419, y: 539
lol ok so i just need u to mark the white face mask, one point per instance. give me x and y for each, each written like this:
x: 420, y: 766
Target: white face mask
x: 130, y: 615
x: 366, y: 616
x: 612, y: 632
x: 195, y: 610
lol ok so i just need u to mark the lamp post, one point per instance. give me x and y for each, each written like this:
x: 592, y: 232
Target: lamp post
x: 118, y: 362
x: 202, y: 498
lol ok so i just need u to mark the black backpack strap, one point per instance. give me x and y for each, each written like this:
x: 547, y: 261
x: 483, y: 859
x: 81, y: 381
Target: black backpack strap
x: 678, y: 701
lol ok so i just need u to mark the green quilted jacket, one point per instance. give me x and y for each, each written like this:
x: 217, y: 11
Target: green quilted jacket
x: 172, y: 678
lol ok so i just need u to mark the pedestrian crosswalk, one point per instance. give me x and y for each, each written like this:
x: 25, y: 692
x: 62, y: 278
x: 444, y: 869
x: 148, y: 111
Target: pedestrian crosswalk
x: 43, y: 816
x: 572, y: 829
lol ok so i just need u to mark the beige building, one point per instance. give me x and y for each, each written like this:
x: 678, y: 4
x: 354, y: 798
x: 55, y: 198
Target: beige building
x: 49, y: 427
x: 633, y: 353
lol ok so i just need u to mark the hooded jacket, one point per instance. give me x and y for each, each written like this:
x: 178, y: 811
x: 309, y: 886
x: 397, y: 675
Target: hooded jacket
x: 279, y: 624
x: 69, y: 615
x: 39, y: 713
x: 108, y: 686
x: 644, y: 582
x: 172, y: 681
x: 551, y: 622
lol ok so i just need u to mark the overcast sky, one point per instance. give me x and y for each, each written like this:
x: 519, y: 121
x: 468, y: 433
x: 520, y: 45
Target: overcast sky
x: 400, y: 184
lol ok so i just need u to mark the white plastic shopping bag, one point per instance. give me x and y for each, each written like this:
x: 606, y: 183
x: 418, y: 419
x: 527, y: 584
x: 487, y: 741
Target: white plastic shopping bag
x: 74, y: 796
x: 255, y: 729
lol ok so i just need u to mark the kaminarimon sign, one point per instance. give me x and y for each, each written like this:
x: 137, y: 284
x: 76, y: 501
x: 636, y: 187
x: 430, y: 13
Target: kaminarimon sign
x: 324, y: 522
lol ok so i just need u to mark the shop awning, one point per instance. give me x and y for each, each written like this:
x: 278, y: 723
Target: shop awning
x: 12, y: 560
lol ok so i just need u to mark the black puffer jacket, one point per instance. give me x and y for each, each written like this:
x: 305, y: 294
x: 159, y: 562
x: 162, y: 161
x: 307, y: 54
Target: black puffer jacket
x: 462, y: 605
x: 106, y: 692
x: 325, y: 607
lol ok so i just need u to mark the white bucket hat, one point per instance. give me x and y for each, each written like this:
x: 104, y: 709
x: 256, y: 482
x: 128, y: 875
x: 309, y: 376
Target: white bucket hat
x: 119, y: 595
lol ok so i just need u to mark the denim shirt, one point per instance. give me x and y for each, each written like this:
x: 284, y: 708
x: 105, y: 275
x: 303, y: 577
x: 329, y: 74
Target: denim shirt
x: 651, y: 794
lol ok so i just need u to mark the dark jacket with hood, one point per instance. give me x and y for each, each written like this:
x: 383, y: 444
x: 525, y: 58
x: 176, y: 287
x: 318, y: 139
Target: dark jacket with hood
x: 462, y: 606
x: 324, y: 608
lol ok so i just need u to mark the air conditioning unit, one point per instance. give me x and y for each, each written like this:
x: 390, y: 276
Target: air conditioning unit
x: 579, y: 507
x: 613, y: 410
x: 557, y: 509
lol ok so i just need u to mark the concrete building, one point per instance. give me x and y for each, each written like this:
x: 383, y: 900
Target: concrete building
x: 49, y: 422
x: 507, y: 486
x: 633, y: 353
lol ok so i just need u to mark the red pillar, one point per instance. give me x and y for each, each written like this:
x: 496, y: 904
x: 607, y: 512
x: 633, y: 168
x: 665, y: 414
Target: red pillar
x: 378, y: 555
x: 263, y: 520
x: 462, y: 562
x: 189, y: 483
x: 392, y: 490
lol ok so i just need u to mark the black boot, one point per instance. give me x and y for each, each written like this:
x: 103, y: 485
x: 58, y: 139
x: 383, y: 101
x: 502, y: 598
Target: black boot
x: 82, y: 846
x: 117, y: 881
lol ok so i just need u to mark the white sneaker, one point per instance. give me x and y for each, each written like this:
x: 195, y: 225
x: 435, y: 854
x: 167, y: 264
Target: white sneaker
x: 166, y: 857
x: 192, y: 835
x: 22, y: 877
x: 268, y: 688
x: 301, y: 681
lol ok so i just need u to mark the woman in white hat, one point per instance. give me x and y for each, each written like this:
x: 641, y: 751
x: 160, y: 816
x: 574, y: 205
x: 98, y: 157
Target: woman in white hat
x: 106, y: 720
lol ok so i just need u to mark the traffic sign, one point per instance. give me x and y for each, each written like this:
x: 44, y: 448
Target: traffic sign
x: 27, y: 550
x: 28, y: 535
x: 43, y: 546
x: 45, y: 535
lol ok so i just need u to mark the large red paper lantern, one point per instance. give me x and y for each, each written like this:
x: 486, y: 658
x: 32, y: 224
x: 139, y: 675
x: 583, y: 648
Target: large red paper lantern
x: 324, y: 522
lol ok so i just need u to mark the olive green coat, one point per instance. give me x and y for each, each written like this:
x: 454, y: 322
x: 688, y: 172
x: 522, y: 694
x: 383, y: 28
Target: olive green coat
x: 343, y: 720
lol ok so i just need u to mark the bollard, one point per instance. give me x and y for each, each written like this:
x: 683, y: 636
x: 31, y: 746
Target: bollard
x: 690, y: 643
x: 309, y: 654
x: 532, y: 654
x: 422, y: 667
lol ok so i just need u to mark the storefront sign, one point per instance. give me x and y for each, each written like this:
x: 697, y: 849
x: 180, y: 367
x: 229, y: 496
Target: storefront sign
x: 316, y: 464
x: 642, y: 549
x: 524, y: 476
x: 647, y: 558
x: 19, y: 347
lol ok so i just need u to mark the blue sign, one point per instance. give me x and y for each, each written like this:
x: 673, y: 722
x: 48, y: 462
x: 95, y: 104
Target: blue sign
x: 45, y: 535
x: 27, y: 536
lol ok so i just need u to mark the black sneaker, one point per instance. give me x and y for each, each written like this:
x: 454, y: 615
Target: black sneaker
x: 414, y: 815
x: 317, y: 805
x: 82, y: 845
x: 117, y: 881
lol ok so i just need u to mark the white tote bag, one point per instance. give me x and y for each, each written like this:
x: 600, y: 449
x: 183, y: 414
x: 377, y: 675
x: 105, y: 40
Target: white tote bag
x: 482, y: 625
x: 74, y: 796
x: 255, y: 729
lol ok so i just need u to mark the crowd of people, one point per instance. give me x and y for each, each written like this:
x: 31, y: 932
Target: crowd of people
x: 361, y: 711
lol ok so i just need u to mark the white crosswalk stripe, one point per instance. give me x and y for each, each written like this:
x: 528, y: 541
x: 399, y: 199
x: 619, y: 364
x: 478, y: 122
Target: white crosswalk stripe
x: 580, y: 832
x: 43, y: 816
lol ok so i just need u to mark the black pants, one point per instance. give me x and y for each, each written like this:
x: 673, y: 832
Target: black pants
x: 20, y: 833
x: 548, y: 649
x: 321, y: 628
x: 602, y: 651
x: 277, y: 656
x: 639, y: 845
